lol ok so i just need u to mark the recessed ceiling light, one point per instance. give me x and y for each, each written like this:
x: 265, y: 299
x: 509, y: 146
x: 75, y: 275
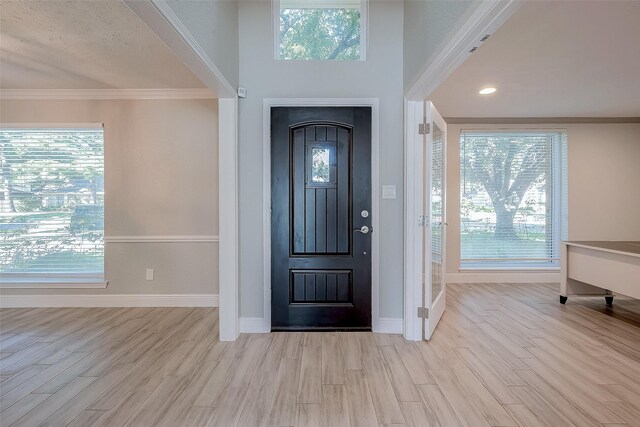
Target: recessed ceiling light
x: 487, y: 90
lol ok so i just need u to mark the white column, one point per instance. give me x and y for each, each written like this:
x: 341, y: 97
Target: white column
x: 229, y: 323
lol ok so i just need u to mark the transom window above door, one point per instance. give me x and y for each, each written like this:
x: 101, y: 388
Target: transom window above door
x: 320, y: 29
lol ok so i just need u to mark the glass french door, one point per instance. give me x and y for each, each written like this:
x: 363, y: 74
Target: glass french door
x: 433, y: 236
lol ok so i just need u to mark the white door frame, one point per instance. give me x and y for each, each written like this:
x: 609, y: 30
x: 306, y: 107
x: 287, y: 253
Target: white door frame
x: 437, y: 306
x: 414, y: 115
x: 375, y: 202
x: 415, y: 295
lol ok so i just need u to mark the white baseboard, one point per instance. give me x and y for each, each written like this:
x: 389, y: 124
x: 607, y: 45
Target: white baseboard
x: 388, y: 325
x: 114, y: 300
x: 503, y: 277
x: 253, y: 325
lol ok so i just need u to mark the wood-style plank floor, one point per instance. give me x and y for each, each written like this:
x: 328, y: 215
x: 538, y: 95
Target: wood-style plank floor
x: 503, y: 355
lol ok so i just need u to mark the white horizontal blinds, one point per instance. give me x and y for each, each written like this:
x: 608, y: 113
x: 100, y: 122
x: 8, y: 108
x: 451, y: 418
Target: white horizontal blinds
x: 510, y: 198
x: 52, y: 203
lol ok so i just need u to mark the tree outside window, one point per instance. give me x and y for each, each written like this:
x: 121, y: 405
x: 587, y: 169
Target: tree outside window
x: 508, y: 200
x: 319, y: 33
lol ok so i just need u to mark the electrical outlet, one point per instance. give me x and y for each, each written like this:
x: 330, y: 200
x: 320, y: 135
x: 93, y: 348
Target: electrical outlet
x: 149, y: 275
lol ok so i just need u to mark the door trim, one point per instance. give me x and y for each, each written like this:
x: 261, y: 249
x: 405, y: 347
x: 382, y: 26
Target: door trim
x: 267, y: 103
x: 414, y: 114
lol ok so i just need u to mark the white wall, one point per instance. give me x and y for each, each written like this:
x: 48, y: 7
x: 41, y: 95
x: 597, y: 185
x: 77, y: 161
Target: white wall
x: 380, y: 76
x: 603, y: 173
x: 214, y: 25
x: 160, y: 179
x: 428, y: 26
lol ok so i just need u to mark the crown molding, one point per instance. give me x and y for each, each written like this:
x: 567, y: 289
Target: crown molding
x: 40, y: 94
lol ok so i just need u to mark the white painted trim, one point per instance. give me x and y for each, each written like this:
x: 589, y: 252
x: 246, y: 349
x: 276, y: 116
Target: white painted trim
x: 228, y: 254
x: 161, y: 19
x: 45, y: 94
x: 389, y: 325
x: 435, y: 312
x: 163, y: 239
x: 486, y: 19
x: 435, y: 303
x: 503, y: 277
x: 364, y: 29
x: 267, y: 103
x: 115, y: 300
x: 21, y: 284
x: 414, y: 114
x: 253, y: 325
x: 56, y: 126
x: 266, y: 211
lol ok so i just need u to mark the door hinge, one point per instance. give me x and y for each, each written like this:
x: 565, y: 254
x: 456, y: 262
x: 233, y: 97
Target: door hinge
x: 423, y: 313
x: 424, y: 128
x: 423, y: 221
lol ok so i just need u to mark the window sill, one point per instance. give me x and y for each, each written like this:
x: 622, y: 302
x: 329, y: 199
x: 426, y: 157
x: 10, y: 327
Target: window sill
x: 507, y: 269
x: 53, y: 284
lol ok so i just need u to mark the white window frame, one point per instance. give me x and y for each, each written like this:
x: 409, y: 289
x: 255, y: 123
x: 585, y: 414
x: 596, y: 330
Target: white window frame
x: 54, y: 280
x: 275, y: 27
x: 560, y: 201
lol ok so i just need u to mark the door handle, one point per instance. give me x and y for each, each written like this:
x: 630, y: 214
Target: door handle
x: 364, y: 229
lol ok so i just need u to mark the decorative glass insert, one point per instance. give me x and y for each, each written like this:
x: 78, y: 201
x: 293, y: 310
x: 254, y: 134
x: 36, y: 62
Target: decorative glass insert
x: 320, y: 165
x: 320, y: 29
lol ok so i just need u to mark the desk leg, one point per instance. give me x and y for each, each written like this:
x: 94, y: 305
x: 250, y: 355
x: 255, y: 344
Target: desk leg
x: 563, y: 273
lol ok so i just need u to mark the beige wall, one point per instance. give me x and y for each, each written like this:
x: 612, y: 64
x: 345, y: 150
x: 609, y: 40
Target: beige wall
x: 161, y: 178
x: 604, y: 180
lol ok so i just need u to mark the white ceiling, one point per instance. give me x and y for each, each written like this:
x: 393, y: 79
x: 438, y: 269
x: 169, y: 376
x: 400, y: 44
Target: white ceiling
x: 83, y: 45
x: 553, y: 59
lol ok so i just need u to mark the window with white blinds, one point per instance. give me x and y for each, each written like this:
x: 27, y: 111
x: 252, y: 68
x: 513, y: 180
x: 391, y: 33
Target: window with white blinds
x: 51, y: 204
x: 513, y: 198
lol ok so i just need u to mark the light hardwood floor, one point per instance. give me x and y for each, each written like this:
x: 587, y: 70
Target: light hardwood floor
x: 503, y: 355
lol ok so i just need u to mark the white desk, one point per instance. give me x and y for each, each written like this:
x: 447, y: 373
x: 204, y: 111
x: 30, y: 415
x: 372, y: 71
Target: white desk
x: 600, y: 268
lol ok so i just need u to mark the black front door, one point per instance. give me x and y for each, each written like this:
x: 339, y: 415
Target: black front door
x: 320, y: 218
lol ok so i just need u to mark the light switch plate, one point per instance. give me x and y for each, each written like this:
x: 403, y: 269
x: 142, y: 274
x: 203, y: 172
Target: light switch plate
x: 388, y: 191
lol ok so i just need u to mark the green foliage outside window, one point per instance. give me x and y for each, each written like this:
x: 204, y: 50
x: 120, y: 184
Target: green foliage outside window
x: 320, y: 34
